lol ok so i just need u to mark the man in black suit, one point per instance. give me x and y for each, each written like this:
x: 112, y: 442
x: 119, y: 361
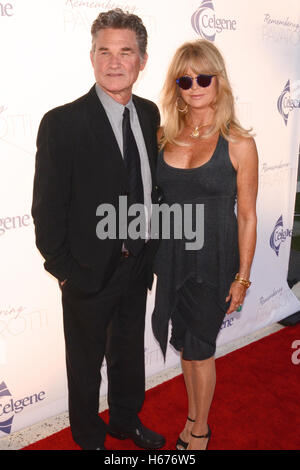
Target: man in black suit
x: 91, y: 152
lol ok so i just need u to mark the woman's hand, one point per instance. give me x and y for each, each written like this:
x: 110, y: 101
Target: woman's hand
x: 236, y: 295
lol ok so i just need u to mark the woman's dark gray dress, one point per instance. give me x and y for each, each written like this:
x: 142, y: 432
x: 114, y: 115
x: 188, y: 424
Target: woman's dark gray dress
x: 192, y: 285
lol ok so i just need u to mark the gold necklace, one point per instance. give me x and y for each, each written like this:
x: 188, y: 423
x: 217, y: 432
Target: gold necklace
x: 195, y: 134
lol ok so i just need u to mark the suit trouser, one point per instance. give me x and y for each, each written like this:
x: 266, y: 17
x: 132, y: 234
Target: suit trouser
x: 110, y: 323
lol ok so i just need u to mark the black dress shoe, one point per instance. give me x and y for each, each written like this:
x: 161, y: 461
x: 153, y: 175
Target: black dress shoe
x: 141, y: 436
x: 94, y: 448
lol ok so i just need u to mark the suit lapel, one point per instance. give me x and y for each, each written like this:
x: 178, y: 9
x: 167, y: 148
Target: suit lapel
x: 99, y: 124
x: 102, y: 130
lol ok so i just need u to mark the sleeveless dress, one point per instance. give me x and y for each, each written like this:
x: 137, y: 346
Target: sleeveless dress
x: 192, y: 285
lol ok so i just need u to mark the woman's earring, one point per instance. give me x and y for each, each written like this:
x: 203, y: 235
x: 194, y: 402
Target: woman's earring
x: 181, y: 110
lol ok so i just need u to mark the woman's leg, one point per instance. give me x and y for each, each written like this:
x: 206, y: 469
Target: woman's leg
x: 186, y: 366
x: 204, y: 380
x: 199, y: 316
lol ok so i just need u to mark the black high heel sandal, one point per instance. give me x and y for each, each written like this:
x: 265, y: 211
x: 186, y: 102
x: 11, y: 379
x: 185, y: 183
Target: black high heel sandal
x: 206, y: 436
x: 182, y: 443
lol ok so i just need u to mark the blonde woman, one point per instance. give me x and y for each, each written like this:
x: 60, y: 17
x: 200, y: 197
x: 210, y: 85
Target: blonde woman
x: 206, y: 158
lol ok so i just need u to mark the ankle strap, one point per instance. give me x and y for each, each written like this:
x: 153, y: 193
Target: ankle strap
x: 204, y: 436
x: 190, y: 419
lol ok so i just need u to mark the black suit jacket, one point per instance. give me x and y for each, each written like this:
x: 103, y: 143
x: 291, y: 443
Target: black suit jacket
x: 78, y: 167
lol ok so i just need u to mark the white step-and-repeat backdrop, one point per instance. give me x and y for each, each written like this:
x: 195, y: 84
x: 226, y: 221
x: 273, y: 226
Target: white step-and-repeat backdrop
x: 45, y: 62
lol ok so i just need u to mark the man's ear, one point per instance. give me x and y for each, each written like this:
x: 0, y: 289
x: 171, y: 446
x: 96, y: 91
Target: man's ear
x: 143, y: 61
x: 92, y: 57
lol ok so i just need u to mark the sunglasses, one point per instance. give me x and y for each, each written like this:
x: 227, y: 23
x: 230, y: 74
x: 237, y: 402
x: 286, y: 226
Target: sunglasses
x: 186, y: 82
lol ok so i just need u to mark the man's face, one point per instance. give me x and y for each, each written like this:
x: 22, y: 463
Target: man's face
x: 117, y: 62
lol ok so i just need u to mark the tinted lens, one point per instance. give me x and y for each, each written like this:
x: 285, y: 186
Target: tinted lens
x: 204, y: 80
x: 185, y: 82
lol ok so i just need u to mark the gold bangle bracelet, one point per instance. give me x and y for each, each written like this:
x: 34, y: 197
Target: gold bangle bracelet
x: 245, y: 282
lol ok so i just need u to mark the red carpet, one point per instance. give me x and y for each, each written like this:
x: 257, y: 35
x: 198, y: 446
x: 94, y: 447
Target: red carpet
x: 256, y: 404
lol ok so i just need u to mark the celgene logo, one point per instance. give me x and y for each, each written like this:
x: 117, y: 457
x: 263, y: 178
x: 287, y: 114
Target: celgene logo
x: 286, y: 103
x: 279, y: 235
x: 6, y: 9
x: 207, y: 25
x: 13, y: 223
x: 9, y: 407
x: 5, y: 426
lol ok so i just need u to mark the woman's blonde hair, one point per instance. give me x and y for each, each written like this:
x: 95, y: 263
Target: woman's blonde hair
x: 200, y: 56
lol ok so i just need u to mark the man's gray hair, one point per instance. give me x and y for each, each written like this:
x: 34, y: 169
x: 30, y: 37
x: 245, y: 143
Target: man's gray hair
x: 118, y: 19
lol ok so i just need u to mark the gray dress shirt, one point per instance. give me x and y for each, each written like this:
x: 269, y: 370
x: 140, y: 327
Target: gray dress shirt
x: 114, y: 111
